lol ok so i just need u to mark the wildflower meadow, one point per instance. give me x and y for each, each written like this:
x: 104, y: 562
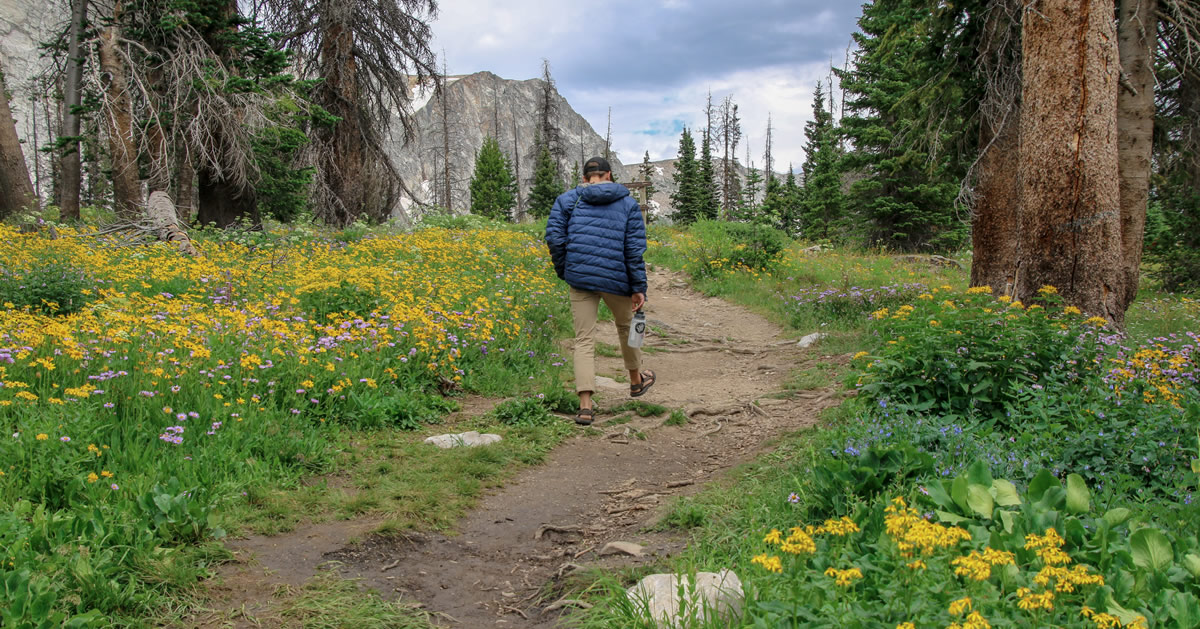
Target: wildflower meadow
x: 148, y: 398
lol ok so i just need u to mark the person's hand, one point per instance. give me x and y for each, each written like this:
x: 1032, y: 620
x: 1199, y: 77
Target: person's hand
x: 639, y: 300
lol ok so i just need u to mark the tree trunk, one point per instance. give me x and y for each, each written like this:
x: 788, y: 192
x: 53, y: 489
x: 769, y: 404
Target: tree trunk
x: 996, y: 229
x: 16, y: 190
x: 1138, y: 39
x: 70, y: 170
x: 1071, y: 222
x: 127, y: 189
x: 346, y: 158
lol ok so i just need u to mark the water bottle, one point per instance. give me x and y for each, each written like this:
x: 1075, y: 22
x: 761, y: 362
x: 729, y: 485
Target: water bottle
x: 637, y: 331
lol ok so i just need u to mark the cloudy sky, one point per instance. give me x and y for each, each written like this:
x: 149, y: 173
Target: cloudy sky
x: 653, y: 61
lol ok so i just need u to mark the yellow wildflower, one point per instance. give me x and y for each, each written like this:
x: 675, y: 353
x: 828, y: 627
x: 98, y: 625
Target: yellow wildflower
x: 843, y: 578
x: 91, y: 477
x: 774, y: 537
x: 1097, y: 321
x: 1047, y: 290
x: 961, y: 606
x: 771, y: 564
x: 1071, y: 310
x: 41, y: 436
x: 979, y: 290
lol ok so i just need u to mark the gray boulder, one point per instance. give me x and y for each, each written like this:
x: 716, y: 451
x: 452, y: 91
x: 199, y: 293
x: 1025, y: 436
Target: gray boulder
x: 710, y: 595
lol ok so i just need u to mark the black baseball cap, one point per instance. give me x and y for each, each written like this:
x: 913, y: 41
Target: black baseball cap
x: 596, y: 165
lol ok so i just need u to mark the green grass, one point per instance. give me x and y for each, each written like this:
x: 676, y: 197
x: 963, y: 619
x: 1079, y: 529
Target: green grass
x: 330, y: 602
x: 677, y: 418
x: 642, y: 409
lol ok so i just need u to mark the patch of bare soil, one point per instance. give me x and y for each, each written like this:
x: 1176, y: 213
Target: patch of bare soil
x: 715, y: 360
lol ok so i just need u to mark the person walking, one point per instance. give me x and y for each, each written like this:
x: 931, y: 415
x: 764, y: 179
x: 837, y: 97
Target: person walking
x: 596, y: 238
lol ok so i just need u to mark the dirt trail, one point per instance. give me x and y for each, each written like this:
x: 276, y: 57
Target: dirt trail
x: 713, y: 359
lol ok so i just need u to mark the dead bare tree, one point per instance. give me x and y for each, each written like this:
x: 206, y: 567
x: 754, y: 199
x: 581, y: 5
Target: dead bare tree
x: 370, y: 56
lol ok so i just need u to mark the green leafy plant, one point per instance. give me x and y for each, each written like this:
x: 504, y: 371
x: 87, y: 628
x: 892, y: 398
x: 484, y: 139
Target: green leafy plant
x: 177, y: 514
x: 837, y: 483
x: 528, y: 411
x: 48, y: 286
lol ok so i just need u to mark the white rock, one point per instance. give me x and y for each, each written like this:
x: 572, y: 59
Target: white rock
x: 466, y: 439
x: 716, y: 595
x: 811, y: 339
x: 622, y: 548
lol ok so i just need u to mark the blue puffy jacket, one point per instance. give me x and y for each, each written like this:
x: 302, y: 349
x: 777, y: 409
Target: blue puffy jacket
x: 596, y: 238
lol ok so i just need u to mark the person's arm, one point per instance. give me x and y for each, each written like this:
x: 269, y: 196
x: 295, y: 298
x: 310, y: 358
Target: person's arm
x: 556, y: 236
x: 635, y: 248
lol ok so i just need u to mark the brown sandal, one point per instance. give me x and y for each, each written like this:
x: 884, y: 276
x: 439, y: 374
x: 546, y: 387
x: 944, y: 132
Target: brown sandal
x: 637, y: 390
x: 585, y: 416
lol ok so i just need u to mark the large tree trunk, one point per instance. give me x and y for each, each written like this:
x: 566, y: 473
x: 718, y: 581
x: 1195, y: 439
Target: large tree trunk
x: 16, y: 190
x: 185, y: 186
x: 127, y: 189
x: 346, y: 158
x: 1138, y: 39
x: 996, y: 229
x: 70, y: 171
x: 1071, y: 220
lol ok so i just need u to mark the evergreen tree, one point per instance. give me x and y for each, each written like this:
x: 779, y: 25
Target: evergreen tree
x: 707, y: 195
x: 905, y: 195
x: 645, y: 170
x: 546, y: 184
x: 687, y: 196
x: 821, y: 204
x: 790, y: 198
x: 774, y: 207
x: 576, y: 176
x: 493, y: 188
x: 748, y: 208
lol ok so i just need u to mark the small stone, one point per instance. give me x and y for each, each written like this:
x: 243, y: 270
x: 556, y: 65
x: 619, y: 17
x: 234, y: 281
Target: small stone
x: 716, y: 595
x: 469, y: 439
x: 622, y: 548
x: 811, y: 339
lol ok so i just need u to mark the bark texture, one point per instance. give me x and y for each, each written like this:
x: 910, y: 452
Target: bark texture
x: 345, y: 159
x: 127, y: 189
x: 1138, y: 38
x: 16, y: 190
x: 996, y: 228
x: 69, y: 167
x: 1071, y: 220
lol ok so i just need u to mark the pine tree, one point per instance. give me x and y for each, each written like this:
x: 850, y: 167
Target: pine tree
x: 748, y: 208
x: 790, y: 196
x: 645, y: 171
x: 493, y: 188
x: 905, y: 195
x: 687, y: 196
x: 821, y: 205
x: 774, y: 207
x: 576, y: 176
x: 546, y: 184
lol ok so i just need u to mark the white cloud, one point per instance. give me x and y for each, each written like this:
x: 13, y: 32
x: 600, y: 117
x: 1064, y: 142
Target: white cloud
x: 784, y: 92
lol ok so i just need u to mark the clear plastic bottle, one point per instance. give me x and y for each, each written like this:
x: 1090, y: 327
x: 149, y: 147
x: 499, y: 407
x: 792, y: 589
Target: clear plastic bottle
x: 637, y: 331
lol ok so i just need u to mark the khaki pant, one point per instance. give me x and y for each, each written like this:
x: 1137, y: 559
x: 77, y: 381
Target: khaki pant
x: 585, y: 306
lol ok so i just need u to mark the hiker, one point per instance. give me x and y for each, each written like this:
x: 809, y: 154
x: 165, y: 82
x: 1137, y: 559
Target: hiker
x: 596, y: 238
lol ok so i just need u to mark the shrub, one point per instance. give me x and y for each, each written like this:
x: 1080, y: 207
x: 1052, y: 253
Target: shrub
x: 713, y: 247
x: 973, y: 354
x: 48, y: 287
x: 523, y: 412
x: 403, y: 409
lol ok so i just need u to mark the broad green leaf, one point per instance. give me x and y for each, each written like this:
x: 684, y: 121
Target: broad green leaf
x: 1192, y: 563
x: 949, y: 518
x: 979, y: 474
x: 939, y: 494
x: 1118, y: 516
x: 958, y: 491
x: 1078, y: 496
x: 1005, y: 493
x: 1006, y: 517
x: 1151, y: 549
x: 980, y: 500
x: 1040, y: 483
x: 1124, y: 615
